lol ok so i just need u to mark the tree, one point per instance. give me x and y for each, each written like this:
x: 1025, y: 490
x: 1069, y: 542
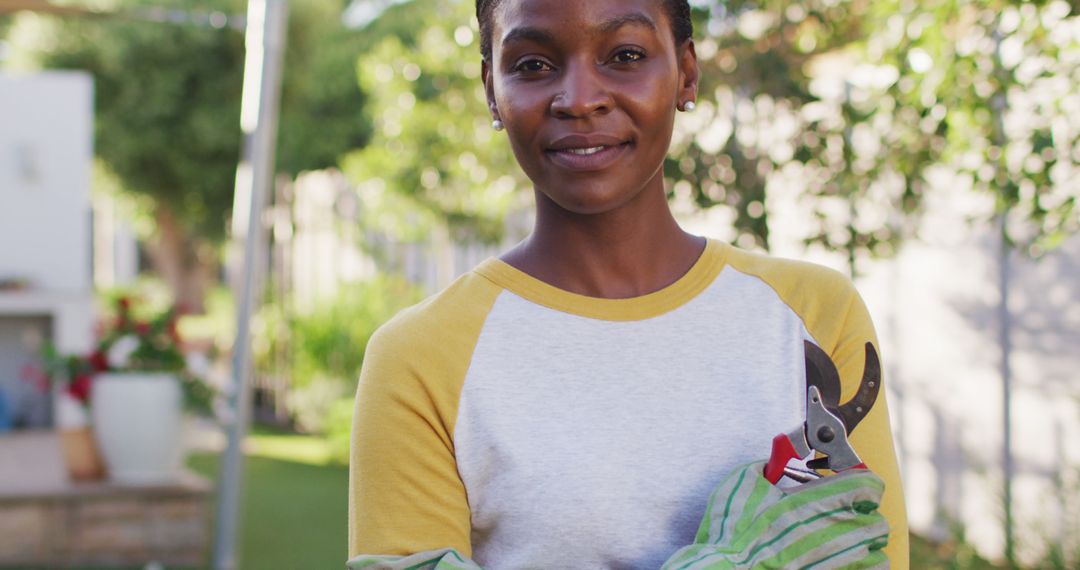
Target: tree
x: 434, y: 159
x: 1002, y: 78
x: 830, y: 104
x: 167, y: 107
x: 854, y: 103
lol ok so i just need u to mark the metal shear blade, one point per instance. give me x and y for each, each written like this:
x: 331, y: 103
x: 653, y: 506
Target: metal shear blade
x: 822, y: 373
x: 827, y: 422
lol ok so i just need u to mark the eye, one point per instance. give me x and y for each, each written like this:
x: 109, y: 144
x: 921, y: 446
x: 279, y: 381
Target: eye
x: 532, y: 66
x: 628, y: 55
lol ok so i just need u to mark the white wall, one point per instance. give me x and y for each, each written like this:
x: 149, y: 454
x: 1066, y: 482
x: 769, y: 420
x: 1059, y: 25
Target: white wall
x: 116, y: 247
x: 935, y: 307
x: 45, y: 158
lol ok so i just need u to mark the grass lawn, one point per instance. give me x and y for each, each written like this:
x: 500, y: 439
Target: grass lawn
x: 295, y: 504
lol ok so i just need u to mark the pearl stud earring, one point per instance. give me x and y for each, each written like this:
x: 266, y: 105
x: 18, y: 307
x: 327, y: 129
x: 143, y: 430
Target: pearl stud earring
x: 497, y: 125
x: 689, y: 106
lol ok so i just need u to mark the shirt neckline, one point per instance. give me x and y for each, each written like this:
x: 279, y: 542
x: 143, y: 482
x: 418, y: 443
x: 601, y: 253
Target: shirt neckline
x: 703, y: 272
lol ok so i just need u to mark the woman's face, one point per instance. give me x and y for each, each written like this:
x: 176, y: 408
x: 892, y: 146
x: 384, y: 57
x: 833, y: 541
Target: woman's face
x: 588, y: 92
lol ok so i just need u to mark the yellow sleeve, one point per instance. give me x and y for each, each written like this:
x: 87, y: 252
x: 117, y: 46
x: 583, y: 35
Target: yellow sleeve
x: 836, y: 317
x: 872, y: 438
x: 405, y: 494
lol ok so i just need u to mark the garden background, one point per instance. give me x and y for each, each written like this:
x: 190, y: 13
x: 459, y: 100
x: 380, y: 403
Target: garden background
x: 930, y: 151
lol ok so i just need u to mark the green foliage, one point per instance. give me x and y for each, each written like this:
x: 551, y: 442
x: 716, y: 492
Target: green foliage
x: 761, y: 115
x: 167, y: 107
x: 338, y: 430
x: 949, y: 555
x: 154, y: 340
x: 167, y: 100
x: 322, y: 104
x: 326, y: 347
x: 999, y: 77
x: 433, y: 144
x: 330, y: 341
x: 830, y: 102
x: 68, y: 372
x: 855, y: 103
x: 833, y: 99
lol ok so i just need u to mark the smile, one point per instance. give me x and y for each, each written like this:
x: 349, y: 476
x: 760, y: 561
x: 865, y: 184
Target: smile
x: 588, y: 159
x: 587, y: 153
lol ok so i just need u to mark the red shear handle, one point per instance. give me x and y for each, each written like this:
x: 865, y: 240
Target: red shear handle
x: 783, y: 451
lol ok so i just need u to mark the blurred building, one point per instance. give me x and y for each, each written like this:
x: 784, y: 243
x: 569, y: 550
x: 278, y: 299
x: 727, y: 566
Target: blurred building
x: 46, y: 289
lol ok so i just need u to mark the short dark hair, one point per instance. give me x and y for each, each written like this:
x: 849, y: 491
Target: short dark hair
x: 678, y: 11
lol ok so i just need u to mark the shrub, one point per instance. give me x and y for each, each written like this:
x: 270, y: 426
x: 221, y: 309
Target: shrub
x: 327, y: 348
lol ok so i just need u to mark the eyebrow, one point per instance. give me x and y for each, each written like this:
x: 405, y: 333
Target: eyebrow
x: 538, y: 35
x: 526, y: 34
x: 633, y: 18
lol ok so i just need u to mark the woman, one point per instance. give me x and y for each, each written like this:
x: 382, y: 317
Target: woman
x: 573, y: 403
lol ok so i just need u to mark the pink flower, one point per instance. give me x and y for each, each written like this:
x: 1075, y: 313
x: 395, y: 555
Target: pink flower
x: 33, y: 374
x: 98, y: 361
x: 80, y: 388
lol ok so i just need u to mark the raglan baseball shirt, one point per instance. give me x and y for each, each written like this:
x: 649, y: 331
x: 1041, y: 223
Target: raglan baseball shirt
x: 527, y: 426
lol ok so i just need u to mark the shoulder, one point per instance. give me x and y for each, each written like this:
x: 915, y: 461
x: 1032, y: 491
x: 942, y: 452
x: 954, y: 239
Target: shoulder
x: 800, y: 284
x: 824, y: 299
x: 453, y: 314
x: 415, y: 364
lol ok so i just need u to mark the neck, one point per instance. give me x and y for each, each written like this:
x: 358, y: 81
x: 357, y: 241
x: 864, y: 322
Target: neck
x: 630, y: 251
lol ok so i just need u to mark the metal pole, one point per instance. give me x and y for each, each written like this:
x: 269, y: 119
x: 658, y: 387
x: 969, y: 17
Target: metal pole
x: 999, y: 104
x: 265, y: 44
x: 849, y: 158
x: 1006, y: 386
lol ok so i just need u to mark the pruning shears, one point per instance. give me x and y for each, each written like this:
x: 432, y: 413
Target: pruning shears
x: 828, y: 423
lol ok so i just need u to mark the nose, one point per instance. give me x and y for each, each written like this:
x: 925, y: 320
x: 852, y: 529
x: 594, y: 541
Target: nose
x: 583, y: 92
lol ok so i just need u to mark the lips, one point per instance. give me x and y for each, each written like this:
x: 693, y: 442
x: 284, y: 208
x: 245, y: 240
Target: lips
x: 587, y: 152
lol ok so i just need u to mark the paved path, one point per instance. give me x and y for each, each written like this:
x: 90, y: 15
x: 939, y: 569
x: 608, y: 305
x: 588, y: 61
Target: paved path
x: 31, y: 463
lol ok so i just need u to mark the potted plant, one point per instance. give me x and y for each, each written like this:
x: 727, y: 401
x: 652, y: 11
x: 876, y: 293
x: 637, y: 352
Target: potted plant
x: 138, y: 393
x: 70, y: 378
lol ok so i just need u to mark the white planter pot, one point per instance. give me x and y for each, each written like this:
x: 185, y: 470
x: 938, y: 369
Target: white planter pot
x: 137, y: 424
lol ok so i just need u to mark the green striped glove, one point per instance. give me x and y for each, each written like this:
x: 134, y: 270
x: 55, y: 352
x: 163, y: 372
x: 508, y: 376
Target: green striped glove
x: 443, y: 559
x: 750, y: 525
x: 824, y: 524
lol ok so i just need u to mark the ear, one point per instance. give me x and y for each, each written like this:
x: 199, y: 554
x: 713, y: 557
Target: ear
x: 688, y: 72
x: 489, y: 88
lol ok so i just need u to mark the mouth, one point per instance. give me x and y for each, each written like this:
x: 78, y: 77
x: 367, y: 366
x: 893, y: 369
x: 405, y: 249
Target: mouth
x: 587, y: 153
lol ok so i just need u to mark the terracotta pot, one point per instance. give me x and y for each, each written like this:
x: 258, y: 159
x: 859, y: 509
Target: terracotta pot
x: 77, y: 444
x: 81, y: 454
